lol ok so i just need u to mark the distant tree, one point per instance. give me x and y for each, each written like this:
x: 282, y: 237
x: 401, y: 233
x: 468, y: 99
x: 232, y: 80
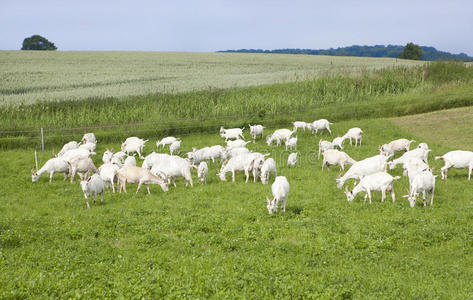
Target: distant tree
x: 411, y: 51
x: 37, y: 42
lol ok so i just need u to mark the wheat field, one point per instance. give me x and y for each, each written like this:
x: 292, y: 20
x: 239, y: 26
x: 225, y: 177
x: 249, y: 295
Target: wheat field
x: 29, y: 76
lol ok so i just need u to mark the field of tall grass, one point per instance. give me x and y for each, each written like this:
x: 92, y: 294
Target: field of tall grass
x: 31, y: 76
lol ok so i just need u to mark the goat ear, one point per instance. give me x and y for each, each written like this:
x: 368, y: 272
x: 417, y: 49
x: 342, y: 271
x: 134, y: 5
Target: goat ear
x: 32, y: 171
x: 339, y: 175
x: 346, y: 189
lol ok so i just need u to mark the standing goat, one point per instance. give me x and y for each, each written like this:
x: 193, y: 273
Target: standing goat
x: 457, y: 159
x: 92, y: 187
x: 380, y: 182
x: 255, y: 131
x: 424, y: 182
x: 280, y: 191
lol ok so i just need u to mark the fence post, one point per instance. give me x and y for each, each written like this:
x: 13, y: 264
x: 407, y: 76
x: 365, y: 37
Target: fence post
x: 42, y: 140
x: 36, y: 160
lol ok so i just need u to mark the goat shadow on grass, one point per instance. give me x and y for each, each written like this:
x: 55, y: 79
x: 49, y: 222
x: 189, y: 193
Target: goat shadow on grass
x: 296, y: 210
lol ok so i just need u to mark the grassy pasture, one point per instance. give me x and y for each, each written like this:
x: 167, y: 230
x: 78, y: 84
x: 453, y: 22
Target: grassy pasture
x: 219, y: 241
x: 29, y: 76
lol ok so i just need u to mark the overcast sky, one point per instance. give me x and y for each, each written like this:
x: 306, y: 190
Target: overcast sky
x: 211, y: 25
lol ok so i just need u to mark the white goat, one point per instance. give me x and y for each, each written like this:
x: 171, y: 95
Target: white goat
x: 133, y: 174
x: 424, y: 182
x: 89, y: 138
x: 231, y: 133
x: 132, y: 145
x: 255, y: 131
x: 321, y: 124
x: 202, y: 172
x: 198, y: 155
x: 154, y: 158
x: 457, y: 159
x: 334, y: 157
x: 74, y: 153
x: 338, y: 142
x: 269, y: 166
x: 92, y: 187
x: 236, y: 144
x: 53, y: 165
x: 323, y: 146
x: 292, y: 159
x: 175, y: 148
x: 166, y: 141
x: 242, y: 162
x: 89, y: 146
x: 380, y: 181
x: 395, y: 146
x: 363, y: 168
x: 81, y: 165
x: 172, y: 168
x: 412, y: 167
x: 299, y: 124
x: 130, y: 161
x: 108, y: 173
x: 107, y: 156
x: 280, y: 191
x: 229, y: 153
x: 291, y: 143
x: 216, y: 151
x: 354, y: 133
x: 423, y: 146
x: 419, y: 153
x: 67, y: 147
x: 279, y: 135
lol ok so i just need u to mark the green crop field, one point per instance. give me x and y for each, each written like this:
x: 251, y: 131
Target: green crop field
x: 218, y: 240
x: 29, y: 76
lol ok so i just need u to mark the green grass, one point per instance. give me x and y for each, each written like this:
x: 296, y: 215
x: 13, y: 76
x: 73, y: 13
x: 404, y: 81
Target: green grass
x: 218, y: 240
x: 29, y: 76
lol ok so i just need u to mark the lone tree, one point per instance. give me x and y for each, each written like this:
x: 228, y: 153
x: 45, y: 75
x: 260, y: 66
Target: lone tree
x: 37, y: 42
x: 411, y: 51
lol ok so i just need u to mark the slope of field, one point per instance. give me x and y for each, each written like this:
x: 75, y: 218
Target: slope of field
x: 28, y: 76
x: 449, y: 127
x: 217, y: 240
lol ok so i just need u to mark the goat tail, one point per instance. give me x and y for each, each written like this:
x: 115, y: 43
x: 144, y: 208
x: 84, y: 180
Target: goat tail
x: 412, y: 141
x: 439, y: 158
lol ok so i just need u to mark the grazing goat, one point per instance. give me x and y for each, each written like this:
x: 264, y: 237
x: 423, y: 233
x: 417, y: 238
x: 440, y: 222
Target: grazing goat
x: 299, y: 124
x: 280, y: 191
x: 354, y: 133
x: 321, y: 124
x: 236, y: 144
x: 173, y: 167
x: 241, y: 162
x: 89, y: 138
x: 363, y: 168
x: 202, y: 171
x: 255, y: 131
x: 323, y: 146
x: 457, y: 159
x: 198, y: 155
x: 412, y: 167
x: 419, y: 153
x: 395, y: 146
x: 231, y: 133
x: 338, y: 142
x: 380, y: 181
x: 166, y: 141
x: 278, y: 136
x: 130, y: 161
x: 67, y: 147
x: 108, y: 173
x: 53, y: 165
x: 334, y: 157
x: 175, y: 148
x: 92, y: 187
x: 269, y: 166
x: 291, y: 143
x: 81, y: 165
x: 132, y: 145
x: 292, y: 159
x: 423, y: 182
x: 133, y: 174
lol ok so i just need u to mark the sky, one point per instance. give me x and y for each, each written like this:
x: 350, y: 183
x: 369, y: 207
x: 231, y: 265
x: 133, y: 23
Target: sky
x: 211, y: 25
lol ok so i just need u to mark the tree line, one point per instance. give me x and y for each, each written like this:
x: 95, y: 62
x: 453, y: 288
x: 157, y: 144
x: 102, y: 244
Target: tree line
x: 395, y: 51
